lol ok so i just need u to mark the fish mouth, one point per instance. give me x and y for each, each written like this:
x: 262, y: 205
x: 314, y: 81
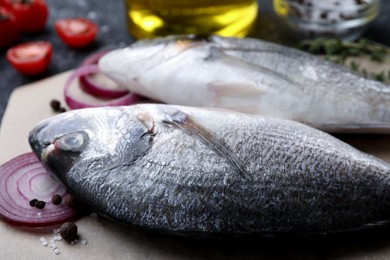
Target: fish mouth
x: 38, y: 143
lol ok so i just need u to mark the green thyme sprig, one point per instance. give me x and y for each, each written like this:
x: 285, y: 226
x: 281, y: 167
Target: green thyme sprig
x: 380, y: 76
x: 343, y: 50
x: 338, y: 51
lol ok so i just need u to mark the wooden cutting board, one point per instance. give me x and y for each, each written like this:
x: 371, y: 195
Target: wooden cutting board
x: 108, y: 240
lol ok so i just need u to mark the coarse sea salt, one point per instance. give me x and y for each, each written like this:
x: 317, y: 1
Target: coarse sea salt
x: 57, y: 238
x: 53, y: 246
x: 43, y: 241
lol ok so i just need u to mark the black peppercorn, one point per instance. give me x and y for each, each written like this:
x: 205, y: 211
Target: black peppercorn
x: 40, y: 204
x: 70, y: 202
x: 55, y: 105
x: 33, y: 202
x: 56, y: 199
x: 68, y: 231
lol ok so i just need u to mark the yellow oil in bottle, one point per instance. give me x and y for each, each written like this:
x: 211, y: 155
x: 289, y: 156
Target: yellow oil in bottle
x: 150, y: 18
x: 281, y: 7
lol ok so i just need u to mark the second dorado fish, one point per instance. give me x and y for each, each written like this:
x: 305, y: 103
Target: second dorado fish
x: 200, y: 171
x: 251, y: 76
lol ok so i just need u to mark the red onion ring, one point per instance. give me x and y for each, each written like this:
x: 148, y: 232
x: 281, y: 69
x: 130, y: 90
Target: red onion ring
x: 93, y: 88
x: 24, y: 178
x: 73, y: 103
x: 94, y: 58
x: 98, y: 90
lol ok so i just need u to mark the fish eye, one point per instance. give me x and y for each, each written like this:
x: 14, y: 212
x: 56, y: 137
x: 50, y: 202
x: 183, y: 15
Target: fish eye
x: 72, y: 142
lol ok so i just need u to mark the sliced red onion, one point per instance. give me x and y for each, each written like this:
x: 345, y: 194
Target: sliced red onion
x: 73, y: 103
x: 22, y: 179
x: 94, y: 58
x: 94, y: 88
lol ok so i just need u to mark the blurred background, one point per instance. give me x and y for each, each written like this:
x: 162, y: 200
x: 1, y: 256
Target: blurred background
x: 111, y: 19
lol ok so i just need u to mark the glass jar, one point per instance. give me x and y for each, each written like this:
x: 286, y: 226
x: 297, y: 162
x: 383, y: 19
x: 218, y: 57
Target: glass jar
x: 341, y: 19
x: 151, y: 18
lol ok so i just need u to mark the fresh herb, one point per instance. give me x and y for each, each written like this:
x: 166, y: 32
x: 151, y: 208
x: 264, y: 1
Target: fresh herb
x: 338, y: 51
x: 354, y: 65
x: 379, y: 76
x: 334, y: 47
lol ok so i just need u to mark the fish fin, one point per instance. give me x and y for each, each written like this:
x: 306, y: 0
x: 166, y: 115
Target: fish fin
x: 236, y: 90
x: 239, y: 97
x: 147, y: 121
x: 181, y: 121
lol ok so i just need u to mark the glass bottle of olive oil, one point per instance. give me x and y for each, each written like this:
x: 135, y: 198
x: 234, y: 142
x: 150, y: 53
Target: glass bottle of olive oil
x: 150, y: 18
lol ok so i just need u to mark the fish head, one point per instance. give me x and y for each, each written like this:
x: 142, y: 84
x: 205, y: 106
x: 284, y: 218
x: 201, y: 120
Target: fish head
x: 78, y: 146
x: 127, y: 66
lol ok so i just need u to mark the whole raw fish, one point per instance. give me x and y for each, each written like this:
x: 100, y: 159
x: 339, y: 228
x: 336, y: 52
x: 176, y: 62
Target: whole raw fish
x: 251, y: 76
x: 207, y: 172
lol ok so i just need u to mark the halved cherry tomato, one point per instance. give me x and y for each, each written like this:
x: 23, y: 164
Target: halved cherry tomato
x: 9, y: 32
x: 76, y: 32
x: 31, y: 15
x: 31, y: 58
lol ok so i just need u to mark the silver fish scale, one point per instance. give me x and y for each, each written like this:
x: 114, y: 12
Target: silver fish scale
x: 281, y: 59
x: 297, y: 179
x: 301, y: 68
x: 252, y: 76
x: 290, y: 177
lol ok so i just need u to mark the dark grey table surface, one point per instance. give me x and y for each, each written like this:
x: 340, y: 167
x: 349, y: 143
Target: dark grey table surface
x: 110, y: 16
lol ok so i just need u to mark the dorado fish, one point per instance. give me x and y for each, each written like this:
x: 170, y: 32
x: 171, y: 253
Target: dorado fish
x: 251, y: 76
x: 203, y: 172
